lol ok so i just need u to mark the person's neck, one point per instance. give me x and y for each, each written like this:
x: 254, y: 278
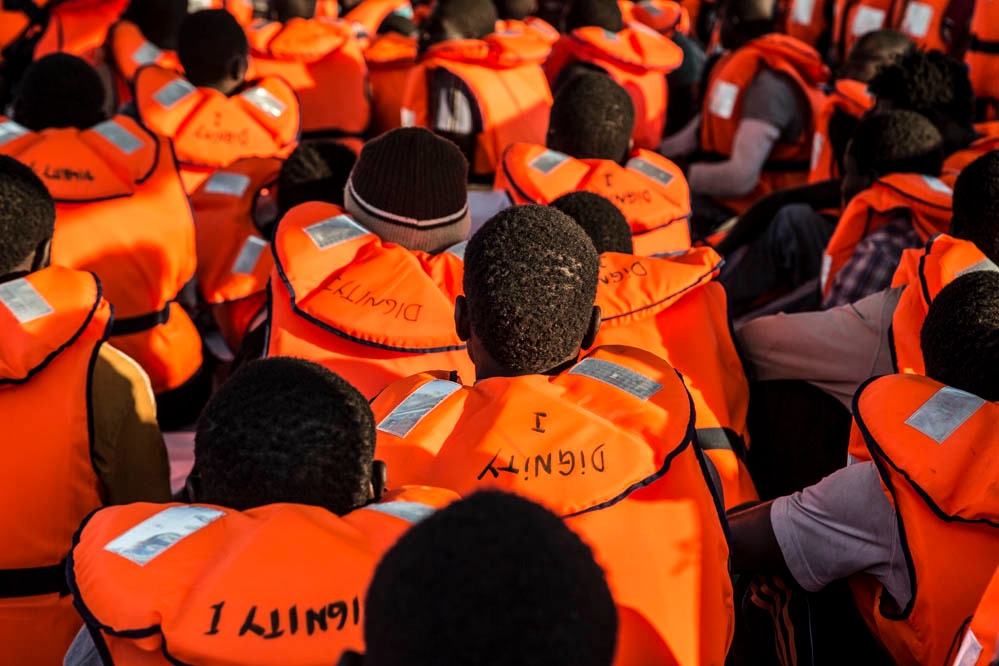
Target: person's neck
x: 491, y: 369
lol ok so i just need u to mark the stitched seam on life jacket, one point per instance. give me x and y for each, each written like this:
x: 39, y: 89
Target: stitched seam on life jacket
x: 91, y: 419
x: 924, y: 286
x: 910, y: 197
x: 510, y: 179
x: 699, y: 282
x: 48, y: 359
x: 682, y: 218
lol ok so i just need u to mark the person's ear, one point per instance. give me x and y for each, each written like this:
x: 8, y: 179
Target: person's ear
x: 379, y: 479
x: 238, y: 68
x: 591, y: 331
x: 462, y: 323
x: 43, y: 255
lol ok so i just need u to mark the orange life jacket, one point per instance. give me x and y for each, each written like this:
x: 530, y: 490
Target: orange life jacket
x: 664, y: 16
x: 955, y: 162
x: 638, y: 58
x: 323, y: 62
x: 372, y: 312
x: 200, y: 584
x: 54, y: 322
x: 921, y: 20
x: 805, y: 20
x: 608, y: 445
x: 650, y: 190
x: 980, y: 645
x: 211, y: 131
x: 530, y: 28
x: 982, y: 56
x: 788, y: 164
x: 79, y: 27
x: 370, y: 14
x: 847, y: 97
x: 925, y: 200
x: 242, y: 10
x: 508, y: 84
x: 924, y: 273
x: 234, y: 259
x: 673, y: 308
x: 126, y: 51
x: 390, y: 57
x: 937, y: 451
x: 104, y: 179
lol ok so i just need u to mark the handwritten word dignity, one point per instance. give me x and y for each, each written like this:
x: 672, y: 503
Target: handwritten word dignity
x: 290, y: 621
x: 564, y: 463
x: 360, y: 296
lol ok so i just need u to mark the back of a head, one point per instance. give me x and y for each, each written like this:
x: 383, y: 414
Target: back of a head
x: 874, y: 51
x: 960, y: 337
x: 604, y: 14
x: 27, y: 213
x: 976, y: 205
x: 285, y: 10
x: 493, y: 580
x: 468, y: 19
x: 315, y: 171
x: 285, y: 430
x: 896, y: 142
x: 530, y: 283
x: 515, y: 10
x: 933, y: 84
x: 59, y: 90
x: 592, y: 118
x: 602, y: 221
x: 159, y: 20
x: 209, y: 44
x: 744, y: 20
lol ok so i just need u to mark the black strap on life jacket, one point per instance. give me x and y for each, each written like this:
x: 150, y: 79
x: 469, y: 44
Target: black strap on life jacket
x: 983, y: 46
x: 34, y: 581
x: 130, y: 325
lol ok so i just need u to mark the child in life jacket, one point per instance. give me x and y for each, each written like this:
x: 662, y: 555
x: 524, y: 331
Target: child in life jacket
x: 79, y: 421
x: 212, y: 112
x: 283, y: 454
x: 586, y: 437
x: 498, y: 566
x: 914, y: 498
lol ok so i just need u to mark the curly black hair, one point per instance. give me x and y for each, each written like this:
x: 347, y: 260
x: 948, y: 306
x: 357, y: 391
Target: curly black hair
x: 604, y: 14
x: 285, y: 430
x: 602, y: 221
x: 592, y: 117
x: 530, y: 282
x: 208, y: 43
x: 473, y: 19
x: 933, y: 84
x: 315, y: 171
x: 27, y: 213
x: 159, y: 20
x: 59, y: 90
x: 960, y: 337
x: 516, y: 10
x: 897, y: 142
x: 494, y: 580
x: 976, y: 205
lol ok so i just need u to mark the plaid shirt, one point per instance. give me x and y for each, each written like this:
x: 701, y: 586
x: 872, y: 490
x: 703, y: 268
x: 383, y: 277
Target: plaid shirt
x: 873, y: 263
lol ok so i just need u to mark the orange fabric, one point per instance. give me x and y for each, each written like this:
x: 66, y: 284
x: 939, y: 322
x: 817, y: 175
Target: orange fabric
x: 370, y: 14
x: 234, y: 260
x: 50, y: 483
x: 955, y: 163
x: 923, y: 21
x: 936, y: 450
x: 127, y: 50
x: 79, y: 27
x: 104, y: 179
x: 982, y: 636
x: 847, y: 97
x: 650, y: 190
x: 664, y: 16
x: 925, y: 200
x: 616, y: 466
x: 390, y: 57
x: 323, y: 62
x: 855, y: 18
x: 673, y: 308
x: 722, y: 114
x: 530, y: 28
x: 242, y: 10
x: 372, y: 312
x: 210, y: 130
x: 186, y: 586
x: 805, y: 20
x: 982, y: 56
x: 507, y: 82
x: 924, y: 273
x: 638, y: 58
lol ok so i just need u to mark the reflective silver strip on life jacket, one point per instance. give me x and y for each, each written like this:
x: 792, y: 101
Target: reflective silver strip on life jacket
x: 458, y: 250
x: 618, y: 376
x: 153, y: 536
x: 9, y: 130
x: 408, y: 413
x: 146, y: 54
x: 118, y: 136
x: 173, y: 92
x: 334, y: 230
x: 265, y: 101
x: 230, y: 184
x: 649, y: 169
x: 983, y: 265
x: 547, y: 161
x: 946, y: 411
x: 411, y: 512
x: 249, y: 254
x: 24, y: 301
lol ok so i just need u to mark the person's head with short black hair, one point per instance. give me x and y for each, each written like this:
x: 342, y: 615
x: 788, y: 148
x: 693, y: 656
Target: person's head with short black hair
x: 602, y: 221
x: 530, y: 283
x: 874, y: 51
x: 592, y: 118
x: 27, y: 219
x: 494, y: 580
x: 604, y: 14
x: 975, y: 215
x: 744, y: 20
x: 213, y: 50
x: 887, y: 143
x: 515, y: 10
x: 935, y: 85
x: 398, y: 24
x: 457, y: 19
x: 59, y: 90
x: 285, y: 10
x: 285, y: 430
x: 315, y: 171
x: 158, y: 20
x: 960, y: 336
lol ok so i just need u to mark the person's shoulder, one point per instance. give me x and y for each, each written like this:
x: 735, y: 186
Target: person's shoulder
x: 116, y: 373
